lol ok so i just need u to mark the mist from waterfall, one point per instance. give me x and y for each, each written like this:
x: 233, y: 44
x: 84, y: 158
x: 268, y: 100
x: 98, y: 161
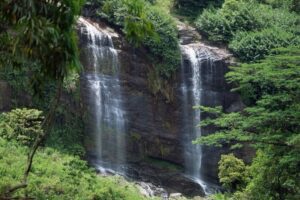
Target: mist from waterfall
x: 106, y: 115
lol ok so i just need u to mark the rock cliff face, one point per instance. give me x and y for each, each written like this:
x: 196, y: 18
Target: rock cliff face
x: 5, y: 96
x: 153, y: 123
x: 213, y: 63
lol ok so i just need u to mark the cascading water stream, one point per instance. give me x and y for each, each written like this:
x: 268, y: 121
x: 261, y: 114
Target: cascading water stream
x: 192, y: 92
x: 106, y: 124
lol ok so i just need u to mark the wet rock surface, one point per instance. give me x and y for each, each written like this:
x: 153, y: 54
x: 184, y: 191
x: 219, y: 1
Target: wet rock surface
x: 154, y: 124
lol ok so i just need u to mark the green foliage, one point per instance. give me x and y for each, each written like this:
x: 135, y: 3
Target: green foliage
x: 219, y: 196
x: 255, y: 45
x: 232, y: 172
x: 67, y: 135
x: 131, y: 15
x: 71, y: 82
x: 145, y: 24
x: 271, y: 91
x: 165, y: 51
x: 213, y: 25
x: 251, y: 28
x: 275, y: 175
x: 43, y: 34
x: 59, y: 176
x: 292, y: 5
x: 191, y: 8
x: 22, y: 125
x: 220, y: 25
x: 17, y: 77
x: 136, y: 25
x: 67, y: 130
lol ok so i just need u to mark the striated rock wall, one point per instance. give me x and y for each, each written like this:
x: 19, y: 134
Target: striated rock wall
x: 153, y: 122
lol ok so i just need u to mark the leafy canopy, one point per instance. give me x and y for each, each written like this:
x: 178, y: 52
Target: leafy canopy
x: 42, y: 32
x: 250, y: 28
x: 232, y: 172
x: 22, y: 125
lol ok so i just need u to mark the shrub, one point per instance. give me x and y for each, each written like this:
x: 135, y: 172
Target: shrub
x: 292, y: 5
x: 22, y: 125
x: 165, y: 50
x: 213, y: 24
x: 251, y: 28
x: 249, y: 46
x: 232, y: 172
x: 220, y: 25
x: 242, y: 15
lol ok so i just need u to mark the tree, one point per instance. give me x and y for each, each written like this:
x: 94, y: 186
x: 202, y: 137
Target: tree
x: 40, y: 31
x: 232, y: 172
x: 270, y: 122
x: 22, y: 125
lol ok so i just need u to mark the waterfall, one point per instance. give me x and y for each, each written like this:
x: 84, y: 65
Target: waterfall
x: 102, y: 87
x: 195, y: 59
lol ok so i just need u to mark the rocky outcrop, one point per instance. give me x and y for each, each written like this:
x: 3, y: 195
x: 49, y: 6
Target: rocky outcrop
x: 215, y: 90
x: 189, y: 35
x: 154, y: 124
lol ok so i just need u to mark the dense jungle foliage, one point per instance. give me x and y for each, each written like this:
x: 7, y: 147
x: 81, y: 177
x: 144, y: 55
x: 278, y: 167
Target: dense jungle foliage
x: 250, y: 28
x: 39, y: 60
x: 38, y: 57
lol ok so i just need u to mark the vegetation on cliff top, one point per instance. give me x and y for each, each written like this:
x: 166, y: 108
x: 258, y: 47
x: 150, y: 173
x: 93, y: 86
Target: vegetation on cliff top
x: 158, y: 33
x: 251, y: 28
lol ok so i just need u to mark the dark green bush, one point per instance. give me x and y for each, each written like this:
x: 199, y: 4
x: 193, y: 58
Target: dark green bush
x: 165, y: 50
x: 250, y: 46
x: 114, y: 11
x: 213, y: 24
x: 162, y: 43
x: 292, y: 5
x: 251, y: 28
x: 22, y: 125
x: 232, y: 172
x: 221, y: 25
